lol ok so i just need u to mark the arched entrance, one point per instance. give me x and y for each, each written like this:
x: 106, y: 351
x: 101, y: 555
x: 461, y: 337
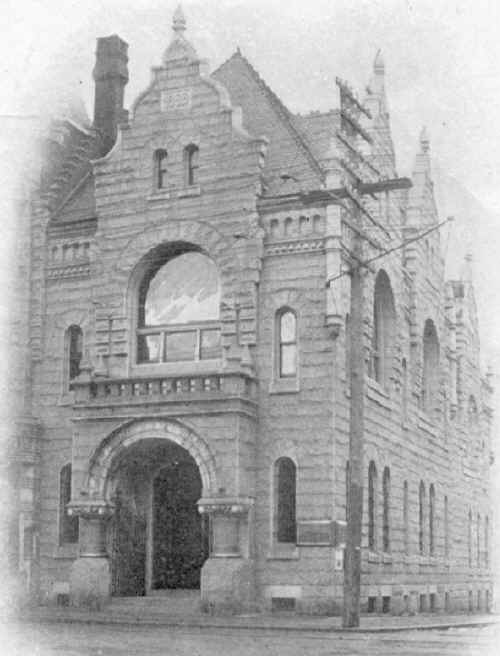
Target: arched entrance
x: 157, y: 540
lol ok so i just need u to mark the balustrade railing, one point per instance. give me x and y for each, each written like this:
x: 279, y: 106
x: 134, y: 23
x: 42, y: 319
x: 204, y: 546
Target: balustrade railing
x: 164, y: 387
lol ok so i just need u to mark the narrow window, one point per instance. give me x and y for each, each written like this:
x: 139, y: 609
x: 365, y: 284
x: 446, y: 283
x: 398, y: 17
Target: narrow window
x: 68, y: 525
x: 287, y: 330
x: 191, y: 158
x: 75, y: 348
x: 285, y: 500
x: 386, y: 485
x: 486, y: 542
x: 405, y: 516
x: 347, y: 489
x: 446, y: 530
x: 160, y: 162
x: 432, y: 501
x: 421, y: 518
x: 372, y: 506
x: 404, y: 388
x: 469, y: 540
x: 478, y: 541
x: 430, y: 371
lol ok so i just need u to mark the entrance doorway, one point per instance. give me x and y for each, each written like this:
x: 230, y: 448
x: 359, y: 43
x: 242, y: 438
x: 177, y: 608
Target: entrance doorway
x: 179, y: 541
x: 158, y: 539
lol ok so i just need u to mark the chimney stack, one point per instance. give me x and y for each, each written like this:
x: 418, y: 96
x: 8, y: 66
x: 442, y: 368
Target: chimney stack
x: 111, y: 76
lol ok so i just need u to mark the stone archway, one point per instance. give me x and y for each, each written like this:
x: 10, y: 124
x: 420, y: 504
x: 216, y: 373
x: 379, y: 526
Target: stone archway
x: 99, y: 483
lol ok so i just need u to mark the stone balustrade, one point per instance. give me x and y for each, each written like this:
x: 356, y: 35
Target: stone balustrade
x: 160, y: 388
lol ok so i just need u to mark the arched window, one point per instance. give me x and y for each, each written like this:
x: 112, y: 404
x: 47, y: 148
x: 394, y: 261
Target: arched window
x: 446, y: 529
x: 68, y: 525
x: 386, y: 526
x: 191, y: 163
x: 347, y: 489
x: 486, y: 542
x: 469, y: 539
x: 74, y: 345
x: 372, y: 506
x: 432, y: 508
x: 160, y: 168
x: 383, y: 329
x: 430, y: 371
x: 178, y: 313
x: 405, y: 517
x: 404, y: 388
x: 421, y: 518
x: 287, y: 346
x: 478, y: 541
x: 285, y: 495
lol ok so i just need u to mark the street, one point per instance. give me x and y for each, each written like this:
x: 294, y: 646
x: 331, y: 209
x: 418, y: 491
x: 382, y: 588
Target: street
x: 127, y: 640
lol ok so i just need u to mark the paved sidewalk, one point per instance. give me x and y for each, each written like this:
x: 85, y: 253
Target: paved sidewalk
x: 290, y: 622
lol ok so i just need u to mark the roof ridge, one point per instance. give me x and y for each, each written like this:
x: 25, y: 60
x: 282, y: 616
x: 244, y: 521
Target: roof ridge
x: 281, y: 109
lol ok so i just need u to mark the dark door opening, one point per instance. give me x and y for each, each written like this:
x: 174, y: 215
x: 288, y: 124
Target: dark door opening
x: 180, y: 538
x: 128, y: 549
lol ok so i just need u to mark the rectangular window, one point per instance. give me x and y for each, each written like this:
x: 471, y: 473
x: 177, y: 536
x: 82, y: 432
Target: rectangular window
x: 149, y: 348
x: 180, y: 346
x: 210, y: 346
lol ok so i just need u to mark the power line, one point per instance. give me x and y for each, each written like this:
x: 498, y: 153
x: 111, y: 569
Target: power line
x: 404, y: 243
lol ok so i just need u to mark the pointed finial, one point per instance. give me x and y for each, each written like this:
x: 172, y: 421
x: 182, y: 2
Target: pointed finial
x: 424, y: 140
x: 378, y: 64
x: 179, y: 20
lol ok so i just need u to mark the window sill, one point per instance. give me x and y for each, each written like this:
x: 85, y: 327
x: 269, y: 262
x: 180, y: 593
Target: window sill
x: 377, y: 393
x: 188, y: 192
x: 66, y: 551
x: 283, y: 551
x: 373, y: 557
x: 284, y: 386
x: 387, y: 558
x: 160, y: 195
x: 67, y: 399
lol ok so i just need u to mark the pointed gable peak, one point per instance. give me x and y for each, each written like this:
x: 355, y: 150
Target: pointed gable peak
x: 179, y: 47
x: 378, y: 63
x: 179, y: 20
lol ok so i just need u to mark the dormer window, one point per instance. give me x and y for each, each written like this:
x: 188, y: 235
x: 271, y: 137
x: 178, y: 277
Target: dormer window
x: 191, y: 162
x: 160, y: 164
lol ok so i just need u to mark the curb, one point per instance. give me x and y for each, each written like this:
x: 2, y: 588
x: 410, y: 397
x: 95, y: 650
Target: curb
x: 186, y: 623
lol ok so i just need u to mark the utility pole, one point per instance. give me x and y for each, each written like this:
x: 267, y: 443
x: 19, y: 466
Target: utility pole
x: 352, y: 557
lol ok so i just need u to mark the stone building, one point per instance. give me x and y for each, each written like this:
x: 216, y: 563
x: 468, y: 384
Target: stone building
x: 187, y: 305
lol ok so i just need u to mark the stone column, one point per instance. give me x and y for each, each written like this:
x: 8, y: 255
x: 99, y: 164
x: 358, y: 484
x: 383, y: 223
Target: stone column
x: 228, y: 576
x: 90, y: 576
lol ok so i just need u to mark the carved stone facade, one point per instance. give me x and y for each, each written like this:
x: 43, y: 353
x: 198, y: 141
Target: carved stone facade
x: 263, y: 208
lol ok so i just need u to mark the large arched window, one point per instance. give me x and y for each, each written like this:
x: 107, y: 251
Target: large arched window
x: 178, y: 313
x: 383, y: 329
x: 432, y: 509
x: 285, y: 496
x: 160, y: 168
x: 430, y: 371
x: 286, y: 324
x: 191, y: 164
x: 421, y: 518
x: 372, y: 506
x: 68, y: 525
x: 74, y: 353
x: 386, y: 526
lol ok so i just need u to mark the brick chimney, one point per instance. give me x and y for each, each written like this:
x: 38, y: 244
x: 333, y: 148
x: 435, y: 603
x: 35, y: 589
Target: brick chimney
x: 111, y: 76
